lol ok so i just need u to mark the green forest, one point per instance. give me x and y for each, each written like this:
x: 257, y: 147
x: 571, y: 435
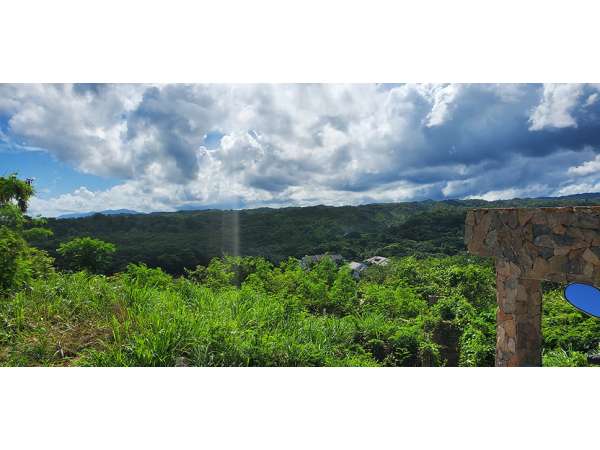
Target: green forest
x: 179, y: 240
x: 226, y: 288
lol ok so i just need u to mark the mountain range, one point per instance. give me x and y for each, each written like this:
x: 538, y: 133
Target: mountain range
x: 106, y: 212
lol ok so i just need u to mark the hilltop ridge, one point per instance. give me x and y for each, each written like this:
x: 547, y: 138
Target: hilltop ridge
x: 176, y: 240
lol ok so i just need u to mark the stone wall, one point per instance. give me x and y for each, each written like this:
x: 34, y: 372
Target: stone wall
x: 530, y: 245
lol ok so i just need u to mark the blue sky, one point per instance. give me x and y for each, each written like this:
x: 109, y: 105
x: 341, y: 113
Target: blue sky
x: 167, y: 147
x: 52, y: 177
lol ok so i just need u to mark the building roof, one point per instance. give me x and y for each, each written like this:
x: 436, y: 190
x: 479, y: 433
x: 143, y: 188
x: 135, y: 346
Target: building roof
x: 378, y: 260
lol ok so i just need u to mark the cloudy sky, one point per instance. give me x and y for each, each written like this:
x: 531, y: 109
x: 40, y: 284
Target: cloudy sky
x: 168, y: 147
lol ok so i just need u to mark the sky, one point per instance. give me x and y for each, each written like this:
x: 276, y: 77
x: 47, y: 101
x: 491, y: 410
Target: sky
x: 92, y: 147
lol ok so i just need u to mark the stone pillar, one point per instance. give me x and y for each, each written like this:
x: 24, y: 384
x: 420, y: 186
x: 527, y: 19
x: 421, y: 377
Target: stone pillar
x: 518, y: 319
x: 530, y: 245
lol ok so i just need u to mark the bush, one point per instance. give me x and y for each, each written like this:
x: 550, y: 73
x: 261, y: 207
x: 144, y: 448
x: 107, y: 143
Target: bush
x: 563, y: 358
x: 565, y: 327
x: 86, y: 253
x: 12, y: 248
x: 142, y: 276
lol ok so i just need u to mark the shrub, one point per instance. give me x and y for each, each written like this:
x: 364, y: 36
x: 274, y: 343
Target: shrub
x: 86, y: 253
x: 564, y: 358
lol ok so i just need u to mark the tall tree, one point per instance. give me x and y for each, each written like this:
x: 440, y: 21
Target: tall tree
x: 18, y: 260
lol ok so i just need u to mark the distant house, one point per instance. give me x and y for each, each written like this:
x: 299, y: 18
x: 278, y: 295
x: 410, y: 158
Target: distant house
x: 356, y: 268
x: 310, y: 260
x: 377, y: 261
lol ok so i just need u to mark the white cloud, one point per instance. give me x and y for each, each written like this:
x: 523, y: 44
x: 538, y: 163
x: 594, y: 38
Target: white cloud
x: 579, y: 188
x: 442, y: 98
x: 79, y: 128
x: 293, y: 144
x: 556, y: 107
x: 587, y: 168
x: 534, y: 190
x: 593, y: 98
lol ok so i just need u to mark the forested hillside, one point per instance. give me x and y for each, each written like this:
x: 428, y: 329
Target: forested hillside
x: 174, y: 241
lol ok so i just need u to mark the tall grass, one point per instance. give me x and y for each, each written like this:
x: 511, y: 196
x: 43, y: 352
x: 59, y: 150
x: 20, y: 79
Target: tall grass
x: 271, y: 316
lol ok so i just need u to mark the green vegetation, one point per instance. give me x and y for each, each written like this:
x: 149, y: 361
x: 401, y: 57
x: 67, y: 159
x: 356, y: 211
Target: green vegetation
x: 176, y: 241
x: 430, y: 310
x: 86, y: 253
x: 245, y: 311
x: 19, y: 262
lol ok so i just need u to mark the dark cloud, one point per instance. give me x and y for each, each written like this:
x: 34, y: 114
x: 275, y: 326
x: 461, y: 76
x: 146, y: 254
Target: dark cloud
x: 176, y: 119
x: 89, y: 88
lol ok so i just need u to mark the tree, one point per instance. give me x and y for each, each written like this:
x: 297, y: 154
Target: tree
x: 18, y: 261
x: 87, y: 253
x: 13, y: 189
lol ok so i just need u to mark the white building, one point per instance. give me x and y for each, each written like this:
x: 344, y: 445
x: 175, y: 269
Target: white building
x: 378, y: 261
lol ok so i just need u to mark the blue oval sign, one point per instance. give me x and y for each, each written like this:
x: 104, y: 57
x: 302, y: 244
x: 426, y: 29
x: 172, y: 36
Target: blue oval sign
x: 584, y: 297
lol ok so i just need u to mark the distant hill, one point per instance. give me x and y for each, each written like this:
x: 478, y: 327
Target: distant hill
x: 106, y: 212
x: 175, y: 240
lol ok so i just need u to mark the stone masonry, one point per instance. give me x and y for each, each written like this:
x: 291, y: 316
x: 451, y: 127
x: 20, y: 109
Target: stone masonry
x: 530, y: 245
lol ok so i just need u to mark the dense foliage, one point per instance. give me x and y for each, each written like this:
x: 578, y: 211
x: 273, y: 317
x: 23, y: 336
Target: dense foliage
x: 246, y: 311
x: 19, y: 262
x: 175, y: 241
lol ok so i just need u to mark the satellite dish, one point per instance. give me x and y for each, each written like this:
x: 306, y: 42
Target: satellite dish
x: 584, y: 297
